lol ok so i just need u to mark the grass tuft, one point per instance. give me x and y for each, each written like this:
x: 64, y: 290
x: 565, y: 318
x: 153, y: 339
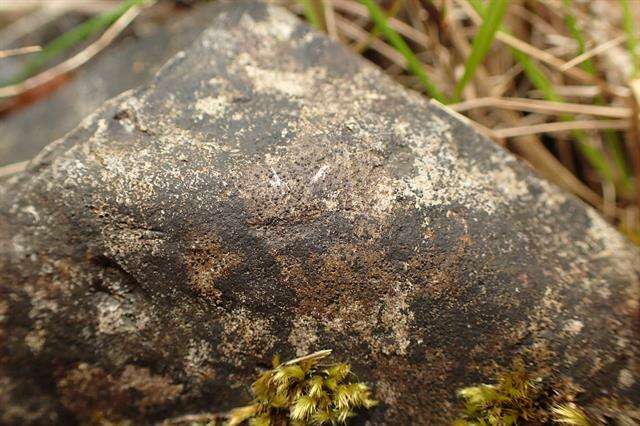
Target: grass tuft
x: 311, y: 13
x: 72, y: 38
x: 538, y: 78
x: 629, y: 25
x: 493, y: 16
x: 413, y: 63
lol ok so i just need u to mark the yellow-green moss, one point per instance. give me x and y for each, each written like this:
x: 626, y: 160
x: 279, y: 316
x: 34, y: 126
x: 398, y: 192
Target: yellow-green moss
x: 517, y: 397
x: 304, y: 391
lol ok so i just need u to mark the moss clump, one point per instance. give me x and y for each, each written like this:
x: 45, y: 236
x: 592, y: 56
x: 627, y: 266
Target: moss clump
x: 304, y: 392
x: 569, y: 414
x: 518, y: 398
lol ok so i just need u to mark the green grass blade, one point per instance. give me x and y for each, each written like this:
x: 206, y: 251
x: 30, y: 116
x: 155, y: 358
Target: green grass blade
x: 537, y: 77
x: 615, y: 147
x: 541, y: 82
x: 71, y: 38
x: 477, y: 5
x: 375, y: 32
x: 482, y: 42
x: 380, y: 20
x: 632, y: 41
x: 533, y: 72
x: 310, y: 14
x: 612, y: 141
x: 574, y: 30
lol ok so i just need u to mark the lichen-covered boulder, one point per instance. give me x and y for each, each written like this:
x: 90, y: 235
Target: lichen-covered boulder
x: 270, y: 192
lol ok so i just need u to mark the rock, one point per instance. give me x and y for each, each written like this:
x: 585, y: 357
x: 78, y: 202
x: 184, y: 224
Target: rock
x: 270, y: 192
x: 125, y: 65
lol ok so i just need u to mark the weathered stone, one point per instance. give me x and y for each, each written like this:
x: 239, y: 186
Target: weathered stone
x: 269, y: 192
x: 126, y: 65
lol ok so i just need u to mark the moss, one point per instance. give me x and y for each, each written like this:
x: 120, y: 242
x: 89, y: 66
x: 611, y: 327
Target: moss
x: 518, y: 397
x: 304, y: 391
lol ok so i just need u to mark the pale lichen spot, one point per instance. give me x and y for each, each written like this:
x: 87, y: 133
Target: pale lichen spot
x: 397, y: 317
x: 195, y: 363
x: 277, y: 81
x: 386, y: 392
x: 625, y: 378
x: 35, y: 340
x: 303, y: 336
x: 4, y: 308
x: 212, y: 106
x: 554, y: 198
x: 401, y: 127
x: 508, y: 183
x: 386, y: 327
x: 443, y: 177
x: 151, y: 389
x: 320, y: 173
x: 613, y: 244
x: 216, y: 81
x: 112, y: 317
x: 288, y: 83
x: 32, y: 211
x: 279, y: 26
x: 245, y: 334
x: 573, y: 327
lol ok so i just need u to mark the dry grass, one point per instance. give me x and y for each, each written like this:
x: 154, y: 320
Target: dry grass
x: 557, y: 87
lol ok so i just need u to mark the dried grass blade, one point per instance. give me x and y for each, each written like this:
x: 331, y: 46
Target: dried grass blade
x: 561, y: 126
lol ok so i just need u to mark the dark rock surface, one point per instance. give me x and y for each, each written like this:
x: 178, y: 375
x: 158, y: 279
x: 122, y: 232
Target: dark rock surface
x: 270, y: 192
x: 126, y: 65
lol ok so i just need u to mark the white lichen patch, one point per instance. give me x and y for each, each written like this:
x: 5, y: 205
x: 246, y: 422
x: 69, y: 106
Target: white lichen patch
x: 320, y: 174
x: 196, y: 362
x: 278, y: 27
x: 151, y: 389
x: 443, y: 177
x: 43, y: 302
x: 611, y: 241
x: 35, y: 339
x: 507, y: 182
x: 386, y: 392
x: 573, y: 326
x: 303, y: 336
x: 552, y: 302
x: 553, y: 198
x: 4, y: 308
x: 279, y: 81
x: 401, y: 128
x: 351, y: 317
x: 397, y: 317
x: 244, y: 335
x: 126, y: 244
x: 621, y: 258
x: 114, y: 317
x: 386, y: 327
x: 625, y: 378
x: 212, y: 106
x: 284, y: 82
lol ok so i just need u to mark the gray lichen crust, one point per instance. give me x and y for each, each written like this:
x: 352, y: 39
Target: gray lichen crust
x: 270, y: 192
